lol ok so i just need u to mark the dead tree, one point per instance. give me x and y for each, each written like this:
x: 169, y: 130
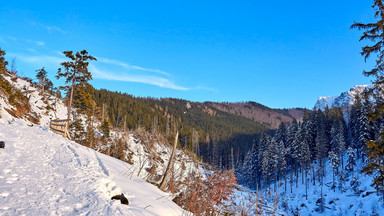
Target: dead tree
x: 164, y: 181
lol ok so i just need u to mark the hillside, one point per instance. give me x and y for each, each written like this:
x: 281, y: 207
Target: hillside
x: 44, y: 174
x: 208, y: 129
x: 260, y: 113
x: 50, y: 174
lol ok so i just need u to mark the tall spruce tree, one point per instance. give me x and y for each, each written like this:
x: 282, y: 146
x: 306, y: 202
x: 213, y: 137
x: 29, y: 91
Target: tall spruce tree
x: 374, y: 32
x: 351, y: 161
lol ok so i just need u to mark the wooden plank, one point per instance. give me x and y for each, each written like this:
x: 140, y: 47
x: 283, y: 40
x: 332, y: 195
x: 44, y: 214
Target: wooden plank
x: 56, y: 130
x: 59, y: 120
x: 58, y: 125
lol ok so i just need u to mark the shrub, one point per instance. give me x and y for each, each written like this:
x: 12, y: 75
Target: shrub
x: 203, y: 196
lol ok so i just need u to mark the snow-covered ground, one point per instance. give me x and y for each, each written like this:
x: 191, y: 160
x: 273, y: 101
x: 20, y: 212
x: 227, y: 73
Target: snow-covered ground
x: 43, y: 173
x: 348, y: 202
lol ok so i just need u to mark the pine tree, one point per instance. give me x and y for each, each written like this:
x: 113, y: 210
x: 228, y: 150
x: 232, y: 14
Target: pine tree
x: 363, y: 131
x: 247, y: 169
x: 3, y: 62
x: 42, y: 77
x: 351, y: 161
x: 270, y: 161
x: 375, y: 166
x: 355, y: 184
x: 106, y: 131
x: 374, y: 32
x: 257, y: 159
x: 335, y: 163
x: 282, y: 163
x: 75, y: 71
x: 281, y: 134
x: 334, y: 138
x: 341, y: 144
x: 341, y: 180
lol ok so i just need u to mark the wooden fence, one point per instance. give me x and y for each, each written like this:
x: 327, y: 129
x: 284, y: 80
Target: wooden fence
x: 60, y: 127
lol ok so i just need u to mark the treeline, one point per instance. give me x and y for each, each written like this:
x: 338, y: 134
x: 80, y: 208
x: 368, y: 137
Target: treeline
x: 296, y: 153
x: 260, y: 113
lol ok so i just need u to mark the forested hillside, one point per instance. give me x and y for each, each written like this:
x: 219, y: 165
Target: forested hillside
x: 260, y: 113
x: 321, y: 156
x: 203, y: 129
x: 219, y: 132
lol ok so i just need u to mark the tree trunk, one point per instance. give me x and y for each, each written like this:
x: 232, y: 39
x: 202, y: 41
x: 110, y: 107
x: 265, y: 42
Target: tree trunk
x: 164, y: 181
x: 313, y: 173
x: 291, y: 180
x: 297, y: 174
x: 306, y: 185
x: 70, y: 99
x: 70, y: 103
x: 42, y: 87
x: 102, y: 117
x: 333, y: 180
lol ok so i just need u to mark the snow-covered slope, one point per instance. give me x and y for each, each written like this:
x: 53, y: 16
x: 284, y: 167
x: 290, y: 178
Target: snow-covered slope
x: 337, y: 201
x: 43, y: 173
x: 345, y: 99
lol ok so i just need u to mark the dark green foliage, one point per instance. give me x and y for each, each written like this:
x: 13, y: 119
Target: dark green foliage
x: 77, y: 69
x: 376, y: 165
x: 82, y: 97
x: 3, y: 63
x: 75, y: 72
x: 374, y: 32
x: 41, y: 74
x: 15, y: 97
x: 105, y: 129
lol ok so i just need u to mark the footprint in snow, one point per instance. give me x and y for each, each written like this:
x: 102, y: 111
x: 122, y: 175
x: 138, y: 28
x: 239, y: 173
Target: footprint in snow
x: 6, y: 171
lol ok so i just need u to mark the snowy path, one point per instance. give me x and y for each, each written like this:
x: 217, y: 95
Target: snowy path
x: 42, y: 173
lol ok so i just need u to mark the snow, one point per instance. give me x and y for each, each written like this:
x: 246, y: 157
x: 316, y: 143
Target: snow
x: 336, y: 202
x: 345, y: 99
x: 45, y: 174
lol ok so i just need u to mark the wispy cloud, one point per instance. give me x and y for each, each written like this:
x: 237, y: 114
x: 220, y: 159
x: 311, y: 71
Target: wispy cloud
x: 49, y: 28
x: 130, y: 67
x: 126, y: 72
x: 151, y: 80
x: 39, y: 59
x: 38, y: 43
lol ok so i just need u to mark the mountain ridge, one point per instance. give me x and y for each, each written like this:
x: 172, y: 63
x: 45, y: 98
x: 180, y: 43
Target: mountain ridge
x: 344, y: 100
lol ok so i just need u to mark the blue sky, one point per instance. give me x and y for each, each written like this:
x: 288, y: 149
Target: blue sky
x: 279, y: 53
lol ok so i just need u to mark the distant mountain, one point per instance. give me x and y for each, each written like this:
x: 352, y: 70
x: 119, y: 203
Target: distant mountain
x: 260, y: 113
x: 344, y: 100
